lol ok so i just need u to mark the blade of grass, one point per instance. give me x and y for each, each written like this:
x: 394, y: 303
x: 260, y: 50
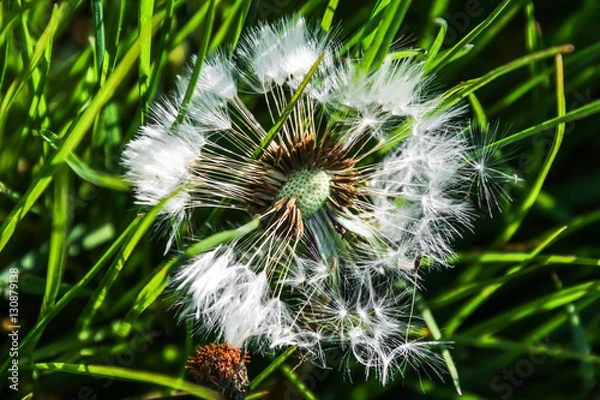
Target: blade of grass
x: 209, y: 18
x: 271, y: 368
x: 109, y: 278
x: 480, y: 118
x: 432, y: 325
x: 462, y: 90
x: 582, y: 345
x: 579, y: 113
x: 82, y: 170
x: 436, y: 10
x: 518, y: 216
x: 435, y: 47
x: 496, y: 343
x: 445, y: 57
x: 487, y: 328
x: 58, y: 240
x: 59, y: 17
x: 385, y: 34
x: 297, y: 382
x: 100, y: 39
x: 243, y: 21
x: 133, y: 375
x: 328, y: 16
x: 146, y: 9
x: 163, y: 48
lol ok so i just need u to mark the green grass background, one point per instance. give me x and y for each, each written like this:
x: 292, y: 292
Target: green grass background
x: 521, y: 307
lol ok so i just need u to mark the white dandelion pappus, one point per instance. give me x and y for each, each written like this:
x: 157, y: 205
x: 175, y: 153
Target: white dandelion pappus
x: 365, y: 175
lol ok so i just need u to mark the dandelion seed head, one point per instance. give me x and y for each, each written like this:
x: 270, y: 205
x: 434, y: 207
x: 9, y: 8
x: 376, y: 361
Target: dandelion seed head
x: 367, y: 173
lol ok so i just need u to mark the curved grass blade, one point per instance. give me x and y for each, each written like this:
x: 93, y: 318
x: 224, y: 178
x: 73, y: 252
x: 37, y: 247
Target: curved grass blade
x: 209, y: 18
x: 133, y: 375
x: 521, y: 212
x: 271, y: 368
x: 328, y: 16
x: 448, y: 55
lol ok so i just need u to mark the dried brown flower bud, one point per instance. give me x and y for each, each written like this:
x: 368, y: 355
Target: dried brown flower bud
x: 221, y: 367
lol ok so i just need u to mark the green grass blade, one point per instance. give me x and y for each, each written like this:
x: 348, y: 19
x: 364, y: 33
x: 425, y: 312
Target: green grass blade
x: 100, y: 38
x: 163, y: 48
x: 133, y: 375
x: 438, y: 8
x: 287, y: 110
x: 435, y: 47
x: 59, y: 17
x: 448, y: 55
x: 111, y: 275
x: 521, y: 212
x: 524, y: 348
x: 271, y: 368
x: 209, y: 18
x: 579, y: 113
x: 587, y: 290
x: 58, y: 239
x: 328, y: 16
x: 481, y: 120
x: 243, y: 21
x: 582, y: 345
x: 464, y: 89
x: 144, y: 69
x: 297, y: 382
x: 385, y: 34
x: 432, y: 325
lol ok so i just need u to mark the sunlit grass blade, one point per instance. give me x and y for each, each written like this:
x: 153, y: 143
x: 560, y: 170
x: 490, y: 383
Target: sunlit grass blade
x: 59, y: 16
x: 209, y: 18
x: 99, y: 36
x: 464, y: 89
x: 435, y: 47
x: 110, y: 277
x: 579, y: 113
x: 328, y: 16
x: 146, y: 9
x: 271, y: 368
x: 432, y: 325
x: 148, y: 377
x: 295, y: 380
x: 524, y: 347
x: 518, y: 216
x: 586, y: 290
x: 58, y: 245
x: 385, y: 34
x: 446, y: 56
x: 437, y: 9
